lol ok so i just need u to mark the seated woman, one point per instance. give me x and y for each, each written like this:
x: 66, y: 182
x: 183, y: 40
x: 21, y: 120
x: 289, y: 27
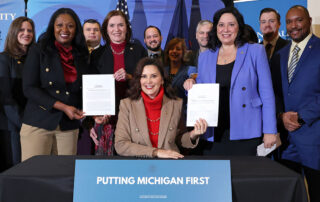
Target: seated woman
x: 176, y: 68
x: 150, y: 122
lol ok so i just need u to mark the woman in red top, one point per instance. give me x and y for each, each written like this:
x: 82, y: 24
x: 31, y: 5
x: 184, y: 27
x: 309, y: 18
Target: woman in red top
x: 119, y: 56
x: 150, y: 122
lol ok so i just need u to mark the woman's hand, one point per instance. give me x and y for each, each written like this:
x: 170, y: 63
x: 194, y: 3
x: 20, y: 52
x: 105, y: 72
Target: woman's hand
x: 101, y: 119
x: 187, y: 85
x: 120, y: 75
x: 163, y: 153
x: 94, y: 136
x: 269, y: 140
x: 73, y: 113
x: 200, y: 127
x: 70, y: 111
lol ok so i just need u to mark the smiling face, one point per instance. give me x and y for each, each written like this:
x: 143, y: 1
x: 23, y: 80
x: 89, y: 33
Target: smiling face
x: 64, y: 29
x: 117, y: 29
x: 202, y: 35
x: 151, y: 81
x: 92, y: 34
x: 298, y: 24
x: 152, y: 39
x: 25, y: 34
x: 227, y: 29
x: 176, y: 53
x: 269, y: 25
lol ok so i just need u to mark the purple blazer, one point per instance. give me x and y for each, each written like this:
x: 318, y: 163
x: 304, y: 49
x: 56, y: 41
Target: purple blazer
x: 252, y: 101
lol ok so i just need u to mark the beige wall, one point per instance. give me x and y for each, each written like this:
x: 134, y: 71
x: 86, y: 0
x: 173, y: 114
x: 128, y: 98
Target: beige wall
x: 314, y: 7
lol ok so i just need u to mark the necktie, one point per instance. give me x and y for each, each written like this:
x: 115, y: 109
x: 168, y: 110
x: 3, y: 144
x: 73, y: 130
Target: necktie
x: 154, y: 55
x: 268, y: 49
x: 90, y: 50
x: 293, y: 63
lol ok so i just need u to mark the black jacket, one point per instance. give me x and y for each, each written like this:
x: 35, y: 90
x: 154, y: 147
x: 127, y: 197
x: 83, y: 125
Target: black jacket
x: 44, y: 84
x: 102, y: 58
x: 11, y: 95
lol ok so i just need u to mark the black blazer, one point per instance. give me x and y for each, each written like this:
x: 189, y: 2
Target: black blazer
x: 11, y: 95
x: 102, y: 58
x: 44, y: 84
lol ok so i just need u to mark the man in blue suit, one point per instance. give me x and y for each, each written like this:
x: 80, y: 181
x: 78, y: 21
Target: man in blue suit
x: 300, y: 72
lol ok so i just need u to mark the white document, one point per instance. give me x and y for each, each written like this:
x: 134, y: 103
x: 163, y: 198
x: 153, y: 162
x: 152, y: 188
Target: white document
x: 98, y: 94
x: 203, y: 102
x: 262, y: 151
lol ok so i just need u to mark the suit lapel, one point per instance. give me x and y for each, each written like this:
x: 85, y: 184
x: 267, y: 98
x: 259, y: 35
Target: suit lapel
x: 57, y: 67
x: 307, y: 50
x: 141, y: 120
x: 166, y: 114
x: 241, y: 53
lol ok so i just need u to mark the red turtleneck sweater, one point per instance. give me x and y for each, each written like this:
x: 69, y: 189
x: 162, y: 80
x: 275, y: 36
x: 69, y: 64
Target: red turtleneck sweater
x: 153, y: 113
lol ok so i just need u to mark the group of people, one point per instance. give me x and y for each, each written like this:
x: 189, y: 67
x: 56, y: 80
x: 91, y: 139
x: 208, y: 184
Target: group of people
x: 266, y: 89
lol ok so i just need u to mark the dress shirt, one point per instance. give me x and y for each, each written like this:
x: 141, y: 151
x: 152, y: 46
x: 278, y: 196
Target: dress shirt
x: 302, y: 44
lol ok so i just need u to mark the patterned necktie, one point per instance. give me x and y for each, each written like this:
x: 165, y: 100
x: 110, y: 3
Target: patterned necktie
x: 268, y: 49
x: 293, y: 63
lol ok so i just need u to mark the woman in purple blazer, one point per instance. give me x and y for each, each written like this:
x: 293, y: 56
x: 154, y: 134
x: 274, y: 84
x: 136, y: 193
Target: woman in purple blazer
x: 247, y: 103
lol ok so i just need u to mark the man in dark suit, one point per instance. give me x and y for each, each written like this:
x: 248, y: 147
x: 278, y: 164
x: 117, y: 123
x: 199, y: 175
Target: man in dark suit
x: 269, y: 27
x: 300, y: 73
x: 152, y: 40
x: 92, y: 33
x: 204, y: 27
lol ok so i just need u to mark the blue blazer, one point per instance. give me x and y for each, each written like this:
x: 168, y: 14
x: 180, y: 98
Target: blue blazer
x: 252, y: 102
x: 302, y: 95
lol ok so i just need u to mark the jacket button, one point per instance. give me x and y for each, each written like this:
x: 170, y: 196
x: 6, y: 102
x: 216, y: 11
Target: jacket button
x: 243, y: 88
x: 50, y: 83
x: 170, y: 128
x: 57, y: 91
x: 47, y: 69
x: 137, y: 129
x: 244, y: 105
x: 19, y: 62
x: 67, y: 93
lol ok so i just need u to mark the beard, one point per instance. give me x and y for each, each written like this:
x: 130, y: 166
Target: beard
x: 153, y: 49
x: 269, y: 35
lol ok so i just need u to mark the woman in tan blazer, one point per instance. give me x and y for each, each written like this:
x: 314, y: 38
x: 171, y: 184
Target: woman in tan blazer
x: 150, y: 122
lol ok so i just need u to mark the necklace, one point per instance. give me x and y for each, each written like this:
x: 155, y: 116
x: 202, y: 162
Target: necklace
x: 117, y: 53
x: 154, y: 133
x: 155, y: 120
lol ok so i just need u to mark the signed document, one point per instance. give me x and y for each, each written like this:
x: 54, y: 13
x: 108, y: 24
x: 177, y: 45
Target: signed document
x: 203, y: 102
x: 98, y: 94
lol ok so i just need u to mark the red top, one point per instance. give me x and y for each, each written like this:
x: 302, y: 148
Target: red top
x: 118, y: 56
x: 153, y: 113
x: 67, y: 62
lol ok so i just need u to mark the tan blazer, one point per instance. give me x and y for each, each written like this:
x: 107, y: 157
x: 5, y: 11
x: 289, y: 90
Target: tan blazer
x: 132, y: 136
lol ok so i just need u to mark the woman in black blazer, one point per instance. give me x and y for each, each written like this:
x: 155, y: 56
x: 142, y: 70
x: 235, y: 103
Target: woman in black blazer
x: 52, y: 83
x: 119, y: 56
x: 19, y: 38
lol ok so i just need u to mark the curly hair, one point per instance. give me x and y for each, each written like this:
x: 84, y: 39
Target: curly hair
x: 12, y: 45
x: 242, y: 36
x: 134, y: 91
x: 78, y: 42
x: 104, y: 27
